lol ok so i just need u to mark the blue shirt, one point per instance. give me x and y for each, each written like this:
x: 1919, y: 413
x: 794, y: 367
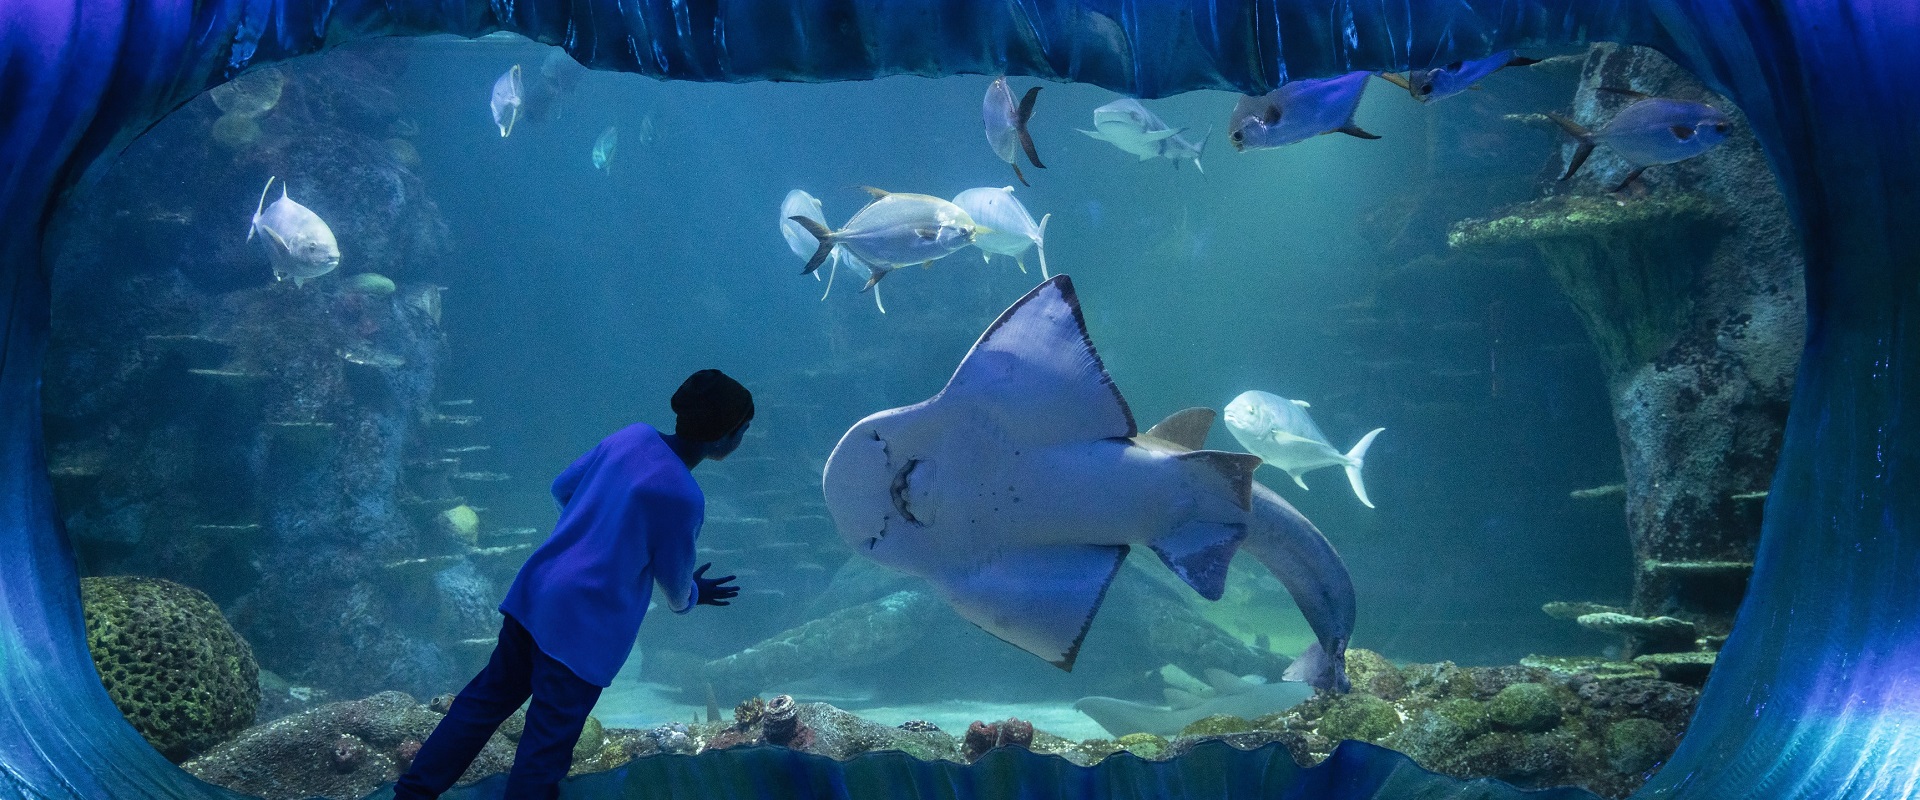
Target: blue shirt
x: 629, y: 514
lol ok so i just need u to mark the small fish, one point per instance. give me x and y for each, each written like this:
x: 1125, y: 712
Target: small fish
x: 801, y: 204
x: 603, y: 149
x: 1651, y: 132
x: 1013, y: 230
x: 1128, y: 125
x: 1439, y: 83
x: 1298, y: 111
x: 894, y: 230
x: 1007, y: 125
x: 506, y: 100
x: 1279, y: 431
x: 300, y: 245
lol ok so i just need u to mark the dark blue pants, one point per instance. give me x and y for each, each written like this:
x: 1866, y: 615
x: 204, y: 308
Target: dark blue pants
x: 517, y: 670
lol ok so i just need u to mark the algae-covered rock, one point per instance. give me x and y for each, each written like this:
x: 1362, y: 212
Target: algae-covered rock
x: 1372, y: 673
x: 1636, y: 745
x: 1527, y: 760
x: 1431, y: 736
x: 1524, y: 707
x: 1359, y: 716
x: 170, y: 661
x: 1144, y: 745
x: 1216, y: 725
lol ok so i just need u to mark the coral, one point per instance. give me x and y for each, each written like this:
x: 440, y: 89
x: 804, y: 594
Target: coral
x: 1216, y: 725
x: 349, y: 752
x: 1637, y: 745
x: 1528, y: 707
x: 1591, y: 666
x: 984, y: 736
x: 1144, y: 745
x: 1687, y: 668
x: 170, y: 662
x: 1372, y: 673
x: 1655, y: 634
x: 783, y: 726
x: 1359, y: 716
x: 1527, y: 760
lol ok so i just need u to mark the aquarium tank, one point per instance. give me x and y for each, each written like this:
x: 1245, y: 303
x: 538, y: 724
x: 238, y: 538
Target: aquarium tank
x: 938, y: 399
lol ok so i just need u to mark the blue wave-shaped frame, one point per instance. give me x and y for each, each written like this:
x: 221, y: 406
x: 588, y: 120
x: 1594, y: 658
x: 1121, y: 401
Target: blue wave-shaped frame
x: 1817, y: 694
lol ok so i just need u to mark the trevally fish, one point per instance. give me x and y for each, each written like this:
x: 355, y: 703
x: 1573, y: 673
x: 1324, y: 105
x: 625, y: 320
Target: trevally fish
x: 1439, y: 83
x: 603, y: 148
x: 1651, y: 132
x: 1298, y: 111
x: 300, y: 245
x: 1007, y: 125
x: 1018, y: 489
x: 1012, y: 230
x: 506, y: 100
x: 894, y: 230
x: 799, y: 203
x: 1128, y: 125
x: 1281, y: 433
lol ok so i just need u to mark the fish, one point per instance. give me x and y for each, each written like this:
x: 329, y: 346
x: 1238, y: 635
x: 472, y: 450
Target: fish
x: 799, y: 203
x: 1281, y: 433
x: 1128, y: 125
x: 1440, y: 83
x: 1298, y: 111
x: 1650, y: 132
x: 1013, y: 230
x: 1018, y: 490
x: 1006, y: 125
x: 603, y: 148
x: 506, y: 100
x: 1232, y: 695
x: 300, y: 245
x: 894, y: 230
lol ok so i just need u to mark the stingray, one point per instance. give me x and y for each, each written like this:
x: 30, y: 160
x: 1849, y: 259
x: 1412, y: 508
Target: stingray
x: 1232, y: 695
x: 1018, y: 490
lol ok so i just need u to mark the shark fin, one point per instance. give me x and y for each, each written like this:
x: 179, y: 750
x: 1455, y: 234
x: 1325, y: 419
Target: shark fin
x: 1355, y: 459
x: 1039, y: 599
x: 1199, y: 553
x: 1225, y: 683
x: 1155, y: 136
x: 1230, y: 472
x: 1181, y: 698
x: 1186, y: 428
x: 1094, y: 134
x: 1036, y: 373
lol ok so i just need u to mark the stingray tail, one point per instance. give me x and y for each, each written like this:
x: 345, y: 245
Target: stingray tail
x: 258, y: 208
x: 1040, y: 244
x: 1579, y: 133
x: 1355, y: 459
x: 825, y: 249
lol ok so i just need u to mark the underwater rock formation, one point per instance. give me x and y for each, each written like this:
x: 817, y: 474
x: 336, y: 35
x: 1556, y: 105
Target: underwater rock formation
x: 170, y: 662
x: 1691, y: 288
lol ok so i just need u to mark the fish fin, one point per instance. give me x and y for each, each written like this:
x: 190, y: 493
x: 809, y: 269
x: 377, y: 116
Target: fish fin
x: 1628, y: 181
x: 876, y: 299
x: 259, y: 208
x: 1301, y: 403
x: 1232, y: 472
x: 1016, y: 173
x: 1149, y: 156
x: 299, y: 282
x: 1271, y: 115
x: 1521, y: 61
x: 825, y: 236
x: 832, y: 272
x: 1681, y: 132
x: 928, y: 234
x: 1299, y: 481
x: 1396, y: 79
x: 1355, y: 459
x: 1021, y: 263
x: 928, y: 264
x: 1020, y: 126
x: 1321, y: 669
x: 1579, y: 133
x: 1040, y: 245
x: 1636, y: 95
x: 277, y: 239
x: 1351, y: 129
x: 874, y: 274
x: 1039, y: 599
x: 1157, y: 136
x: 1187, y: 428
x: 877, y: 193
x: 1094, y: 135
x: 1035, y: 373
x: 1181, y: 699
x: 1199, y: 553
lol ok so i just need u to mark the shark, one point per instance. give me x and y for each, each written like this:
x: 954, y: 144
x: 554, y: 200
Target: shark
x: 1230, y: 694
x: 1019, y: 489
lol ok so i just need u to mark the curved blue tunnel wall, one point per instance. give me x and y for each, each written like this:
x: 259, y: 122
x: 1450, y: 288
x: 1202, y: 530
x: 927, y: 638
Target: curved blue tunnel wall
x: 1817, y: 693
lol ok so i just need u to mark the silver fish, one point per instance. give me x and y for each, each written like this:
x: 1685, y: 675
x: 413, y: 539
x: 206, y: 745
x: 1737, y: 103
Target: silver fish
x: 506, y: 100
x: 1298, y: 111
x: 300, y: 245
x: 1128, y: 125
x: 1439, y: 83
x: 1012, y: 229
x: 603, y: 148
x: 1651, y: 132
x: 894, y: 230
x: 1007, y: 125
x: 798, y: 203
x: 1281, y: 433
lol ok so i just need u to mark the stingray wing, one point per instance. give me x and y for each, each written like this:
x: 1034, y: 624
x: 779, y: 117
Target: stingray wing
x: 1039, y: 599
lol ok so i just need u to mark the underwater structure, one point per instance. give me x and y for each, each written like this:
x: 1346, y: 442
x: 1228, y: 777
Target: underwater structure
x: 1812, y: 696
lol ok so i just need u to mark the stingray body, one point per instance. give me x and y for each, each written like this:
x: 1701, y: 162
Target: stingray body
x: 1018, y: 489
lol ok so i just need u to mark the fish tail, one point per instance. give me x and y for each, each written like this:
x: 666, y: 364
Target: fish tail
x: 1040, y: 244
x: 258, y: 208
x: 1579, y: 133
x: 1356, y: 458
x: 1020, y: 124
x: 825, y: 236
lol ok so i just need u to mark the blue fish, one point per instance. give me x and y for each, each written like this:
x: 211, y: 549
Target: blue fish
x: 1652, y: 131
x: 1428, y: 85
x: 1298, y: 111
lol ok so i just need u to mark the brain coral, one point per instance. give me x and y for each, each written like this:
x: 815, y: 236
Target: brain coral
x: 170, y: 662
